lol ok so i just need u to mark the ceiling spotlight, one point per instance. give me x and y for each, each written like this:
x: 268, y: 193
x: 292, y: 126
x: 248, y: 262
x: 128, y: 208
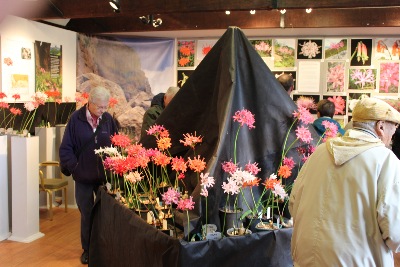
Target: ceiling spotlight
x: 115, y: 5
x: 308, y: 10
x: 157, y: 23
x: 149, y: 20
x: 227, y: 12
x: 283, y: 11
x: 252, y: 12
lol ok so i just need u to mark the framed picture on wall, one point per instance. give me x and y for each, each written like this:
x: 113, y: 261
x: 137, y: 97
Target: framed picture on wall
x: 340, y: 103
x: 284, y: 53
x: 387, y: 48
x: 309, y: 49
x: 186, y: 53
x: 203, y: 47
x: 183, y: 75
x: 389, y: 77
x: 360, y: 52
x: 335, y: 78
x: 353, y: 98
x: 263, y: 47
x: 313, y: 99
x: 335, y: 48
x: 362, y: 79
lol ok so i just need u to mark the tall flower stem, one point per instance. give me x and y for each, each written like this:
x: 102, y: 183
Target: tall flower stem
x: 234, y: 147
x: 187, y: 213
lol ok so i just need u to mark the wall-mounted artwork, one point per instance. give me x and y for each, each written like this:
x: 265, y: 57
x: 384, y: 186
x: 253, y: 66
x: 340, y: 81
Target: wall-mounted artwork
x: 186, y: 53
x: 183, y: 75
x: 308, y: 98
x: 335, y: 76
x: 48, y: 69
x: 389, y: 77
x: 360, y: 52
x: 387, y: 48
x: 284, y: 53
x: 17, y: 69
x: 362, y: 79
x: 292, y: 73
x: 309, y: 49
x: 203, y: 47
x: 335, y: 48
x: 263, y: 47
x: 308, y: 79
x: 354, y: 98
x: 340, y: 103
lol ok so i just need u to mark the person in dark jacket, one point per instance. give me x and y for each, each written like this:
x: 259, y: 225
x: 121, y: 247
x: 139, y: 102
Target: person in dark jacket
x: 325, y: 112
x: 78, y: 158
x: 158, y: 103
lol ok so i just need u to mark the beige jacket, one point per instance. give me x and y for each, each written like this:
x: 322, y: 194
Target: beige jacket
x: 345, y: 204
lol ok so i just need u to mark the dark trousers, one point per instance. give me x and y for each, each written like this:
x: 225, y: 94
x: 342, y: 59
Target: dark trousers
x: 84, y: 195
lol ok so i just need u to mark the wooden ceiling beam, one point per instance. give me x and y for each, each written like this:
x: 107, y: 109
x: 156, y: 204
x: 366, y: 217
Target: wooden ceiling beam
x: 321, y: 18
x: 74, y: 9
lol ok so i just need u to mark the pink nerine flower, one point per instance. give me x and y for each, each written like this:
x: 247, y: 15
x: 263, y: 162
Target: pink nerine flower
x: 303, y: 115
x: 186, y: 204
x: 279, y: 191
x: 206, y: 180
x: 331, y: 129
x: 303, y: 134
x: 289, y: 162
x: 252, y: 168
x: 171, y: 196
x: 230, y: 187
x: 229, y: 167
x: 305, y: 102
x: 339, y: 102
x: 244, y: 117
x: 191, y: 140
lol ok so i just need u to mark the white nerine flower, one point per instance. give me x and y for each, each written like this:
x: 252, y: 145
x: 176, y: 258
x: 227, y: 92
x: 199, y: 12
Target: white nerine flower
x: 207, y: 181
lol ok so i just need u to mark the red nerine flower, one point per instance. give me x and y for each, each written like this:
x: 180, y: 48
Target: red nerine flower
x: 121, y: 140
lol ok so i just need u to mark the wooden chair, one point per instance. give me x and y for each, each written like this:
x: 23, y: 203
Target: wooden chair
x: 51, y: 185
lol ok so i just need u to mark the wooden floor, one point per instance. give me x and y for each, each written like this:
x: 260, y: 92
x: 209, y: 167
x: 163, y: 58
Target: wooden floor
x: 59, y: 247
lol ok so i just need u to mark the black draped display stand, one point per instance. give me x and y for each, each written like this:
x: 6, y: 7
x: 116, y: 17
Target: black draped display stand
x: 121, y: 238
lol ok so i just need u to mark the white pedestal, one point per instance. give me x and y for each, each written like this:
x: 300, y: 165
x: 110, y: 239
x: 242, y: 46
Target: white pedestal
x: 60, y: 129
x: 47, y: 152
x: 25, y: 189
x: 4, y: 218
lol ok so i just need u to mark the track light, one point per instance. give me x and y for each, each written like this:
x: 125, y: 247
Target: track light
x: 282, y: 21
x: 283, y: 11
x: 227, y: 12
x: 308, y: 10
x: 149, y: 20
x: 115, y: 5
x: 252, y: 12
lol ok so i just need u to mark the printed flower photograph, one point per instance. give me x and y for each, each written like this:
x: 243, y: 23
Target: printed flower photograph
x: 311, y: 106
x: 183, y: 75
x: 335, y: 77
x: 362, y: 79
x: 284, y: 53
x: 335, y: 48
x: 309, y: 49
x: 263, y: 47
x: 361, y: 52
x: 186, y: 53
x: 340, y: 103
x: 387, y: 49
x: 389, y: 77
x: 204, y: 47
x: 354, y: 98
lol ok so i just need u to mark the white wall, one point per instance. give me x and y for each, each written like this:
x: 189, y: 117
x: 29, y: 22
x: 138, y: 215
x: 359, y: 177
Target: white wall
x: 26, y: 31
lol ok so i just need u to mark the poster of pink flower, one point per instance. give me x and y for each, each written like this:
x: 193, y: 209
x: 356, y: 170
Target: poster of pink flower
x: 309, y: 49
x: 387, y: 48
x: 186, y: 53
x: 284, y: 53
x: 362, y: 79
x: 335, y: 77
x: 335, y: 48
x: 263, y: 47
x: 203, y: 47
x: 340, y: 103
x: 389, y: 77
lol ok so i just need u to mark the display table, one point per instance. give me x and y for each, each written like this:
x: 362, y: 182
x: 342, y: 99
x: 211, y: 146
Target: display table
x: 120, y: 238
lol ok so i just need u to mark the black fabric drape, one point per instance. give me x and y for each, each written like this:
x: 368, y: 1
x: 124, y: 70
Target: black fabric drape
x: 231, y: 77
x: 121, y: 238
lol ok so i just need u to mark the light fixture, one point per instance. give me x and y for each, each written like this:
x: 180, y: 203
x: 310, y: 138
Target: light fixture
x: 282, y: 20
x: 227, y: 12
x: 252, y: 12
x: 283, y: 11
x: 308, y: 10
x: 115, y: 5
x: 149, y: 20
